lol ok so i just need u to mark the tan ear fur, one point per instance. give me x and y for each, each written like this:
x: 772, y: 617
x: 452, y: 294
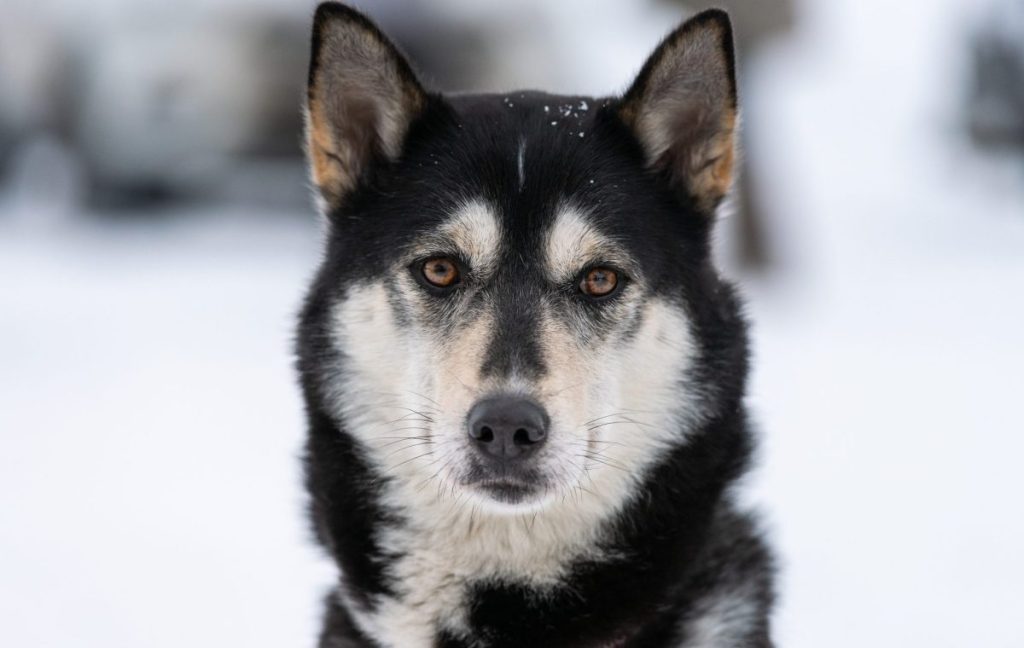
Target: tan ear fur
x: 683, y: 108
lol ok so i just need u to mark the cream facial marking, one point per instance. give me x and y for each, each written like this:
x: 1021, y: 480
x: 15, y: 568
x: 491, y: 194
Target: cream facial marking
x: 573, y: 243
x: 473, y: 231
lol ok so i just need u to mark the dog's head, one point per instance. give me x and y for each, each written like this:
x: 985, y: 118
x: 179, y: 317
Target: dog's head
x: 517, y: 302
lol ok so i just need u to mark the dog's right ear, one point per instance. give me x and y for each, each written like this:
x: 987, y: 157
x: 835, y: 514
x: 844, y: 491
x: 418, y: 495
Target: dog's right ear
x: 362, y: 97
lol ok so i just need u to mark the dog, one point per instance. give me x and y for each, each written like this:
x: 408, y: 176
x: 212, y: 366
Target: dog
x: 523, y: 376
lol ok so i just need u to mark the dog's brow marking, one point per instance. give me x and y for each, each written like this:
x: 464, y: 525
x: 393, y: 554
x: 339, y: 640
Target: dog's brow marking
x: 474, y: 229
x: 572, y: 242
x: 520, y: 158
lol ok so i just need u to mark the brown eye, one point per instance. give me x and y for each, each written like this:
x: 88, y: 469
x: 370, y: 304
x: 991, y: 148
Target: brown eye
x: 441, y: 272
x: 599, y: 282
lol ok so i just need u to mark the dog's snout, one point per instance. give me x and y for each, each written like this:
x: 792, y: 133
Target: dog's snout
x: 507, y: 428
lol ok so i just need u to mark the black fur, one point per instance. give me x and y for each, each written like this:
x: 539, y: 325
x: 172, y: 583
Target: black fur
x: 680, y: 543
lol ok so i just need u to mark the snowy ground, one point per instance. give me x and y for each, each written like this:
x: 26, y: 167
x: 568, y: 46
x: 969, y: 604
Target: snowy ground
x: 149, y: 424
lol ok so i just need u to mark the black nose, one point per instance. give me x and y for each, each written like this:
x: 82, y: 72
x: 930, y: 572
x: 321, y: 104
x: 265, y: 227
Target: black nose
x: 507, y: 428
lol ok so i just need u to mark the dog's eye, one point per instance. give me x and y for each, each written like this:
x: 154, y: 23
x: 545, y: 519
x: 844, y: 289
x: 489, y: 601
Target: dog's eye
x: 599, y: 282
x: 440, y: 272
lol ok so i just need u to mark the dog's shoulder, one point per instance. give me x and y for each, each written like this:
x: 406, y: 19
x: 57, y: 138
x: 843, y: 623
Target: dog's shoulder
x: 731, y: 593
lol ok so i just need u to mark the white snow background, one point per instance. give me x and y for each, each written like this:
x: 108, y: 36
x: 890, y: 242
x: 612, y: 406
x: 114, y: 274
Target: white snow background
x: 150, y: 426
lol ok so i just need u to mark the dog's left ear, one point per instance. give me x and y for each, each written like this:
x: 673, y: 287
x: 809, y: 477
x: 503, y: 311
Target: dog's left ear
x: 361, y: 99
x: 682, y: 107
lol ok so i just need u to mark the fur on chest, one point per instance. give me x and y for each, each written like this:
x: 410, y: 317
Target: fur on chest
x: 444, y: 554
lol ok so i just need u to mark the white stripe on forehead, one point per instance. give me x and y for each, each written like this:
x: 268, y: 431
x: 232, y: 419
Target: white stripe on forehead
x: 474, y: 229
x: 520, y: 159
x: 573, y: 243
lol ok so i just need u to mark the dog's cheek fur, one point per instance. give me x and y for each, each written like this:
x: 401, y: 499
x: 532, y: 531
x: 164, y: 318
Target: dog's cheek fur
x: 408, y: 368
x: 619, y: 401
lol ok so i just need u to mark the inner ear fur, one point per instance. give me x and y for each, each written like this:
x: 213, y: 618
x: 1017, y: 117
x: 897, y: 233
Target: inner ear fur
x: 362, y: 96
x: 683, y: 109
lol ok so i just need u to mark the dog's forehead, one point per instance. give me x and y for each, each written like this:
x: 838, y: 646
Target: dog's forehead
x: 554, y: 181
x: 540, y: 143
x: 526, y: 168
x: 562, y: 114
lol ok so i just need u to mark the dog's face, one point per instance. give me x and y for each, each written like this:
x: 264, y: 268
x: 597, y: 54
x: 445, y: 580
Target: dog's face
x: 508, y: 308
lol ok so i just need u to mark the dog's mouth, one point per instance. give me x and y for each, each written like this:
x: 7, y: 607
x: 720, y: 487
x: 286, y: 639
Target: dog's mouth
x: 505, y: 484
x: 506, y: 490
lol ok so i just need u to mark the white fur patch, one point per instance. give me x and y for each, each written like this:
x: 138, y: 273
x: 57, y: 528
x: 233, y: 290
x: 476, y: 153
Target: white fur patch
x: 573, y: 242
x: 473, y: 232
x: 724, y: 620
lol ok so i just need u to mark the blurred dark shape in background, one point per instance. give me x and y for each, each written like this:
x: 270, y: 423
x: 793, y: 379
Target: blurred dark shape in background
x: 186, y: 108
x: 145, y: 106
x: 157, y: 106
x: 996, y: 102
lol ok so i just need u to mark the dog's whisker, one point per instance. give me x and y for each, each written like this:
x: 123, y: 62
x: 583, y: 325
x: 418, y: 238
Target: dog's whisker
x: 414, y: 416
x: 402, y: 463
x: 397, y: 396
x: 424, y: 397
x: 607, y: 462
x: 412, y: 413
x: 601, y: 418
x: 418, y: 444
x: 411, y: 427
x: 441, y: 485
x: 623, y: 422
x: 377, y: 407
x: 396, y: 440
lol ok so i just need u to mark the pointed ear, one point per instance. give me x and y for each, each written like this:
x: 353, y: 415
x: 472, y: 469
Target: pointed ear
x: 362, y: 97
x: 683, y: 109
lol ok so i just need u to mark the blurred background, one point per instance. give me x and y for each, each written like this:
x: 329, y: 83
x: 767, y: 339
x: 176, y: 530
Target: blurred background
x: 156, y: 234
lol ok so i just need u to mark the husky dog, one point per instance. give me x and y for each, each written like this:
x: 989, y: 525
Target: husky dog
x: 523, y: 376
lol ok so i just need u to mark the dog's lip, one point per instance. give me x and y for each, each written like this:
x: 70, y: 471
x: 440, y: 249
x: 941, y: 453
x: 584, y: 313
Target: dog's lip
x: 507, y: 489
x: 500, y: 482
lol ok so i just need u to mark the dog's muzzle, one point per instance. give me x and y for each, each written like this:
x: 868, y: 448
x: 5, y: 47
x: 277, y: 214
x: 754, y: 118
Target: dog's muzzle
x: 506, y: 433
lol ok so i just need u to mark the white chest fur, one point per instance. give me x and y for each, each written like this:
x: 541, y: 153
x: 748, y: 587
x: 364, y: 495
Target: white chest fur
x: 447, y: 546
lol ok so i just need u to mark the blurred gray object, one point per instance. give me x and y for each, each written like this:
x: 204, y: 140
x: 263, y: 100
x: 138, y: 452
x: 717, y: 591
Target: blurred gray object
x: 996, y: 104
x: 182, y: 107
x: 451, y: 51
x: 30, y: 54
x: 157, y: 104
x: 756, y: 21
x: 153, y: 102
